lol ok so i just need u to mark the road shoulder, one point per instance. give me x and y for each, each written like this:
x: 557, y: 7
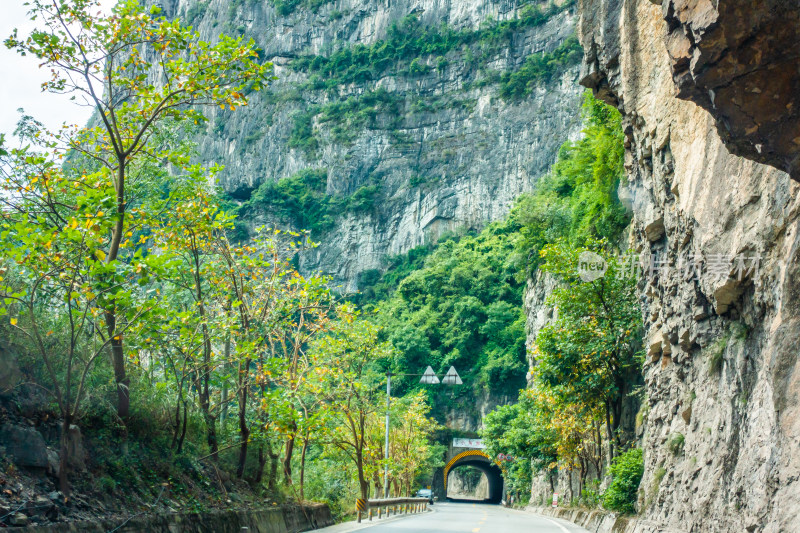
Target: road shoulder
x: 346, y: 527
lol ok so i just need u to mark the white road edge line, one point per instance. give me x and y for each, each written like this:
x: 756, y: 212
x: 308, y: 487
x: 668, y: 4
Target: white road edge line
x: 562, y: 528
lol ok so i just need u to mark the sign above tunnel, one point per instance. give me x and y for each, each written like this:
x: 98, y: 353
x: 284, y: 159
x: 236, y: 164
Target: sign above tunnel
x: 473, y: 444
x: 452, y: 377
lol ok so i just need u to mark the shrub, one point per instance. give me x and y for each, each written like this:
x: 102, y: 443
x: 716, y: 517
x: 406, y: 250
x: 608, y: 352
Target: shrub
x: 417, y: 68
x: 538, y: 68
x: 675, y: 443
x: 658, y: 476
x: 626, y: 474
x: 302, y: 135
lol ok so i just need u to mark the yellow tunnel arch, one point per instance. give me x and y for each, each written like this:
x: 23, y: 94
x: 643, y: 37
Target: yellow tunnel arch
x: 460, y: 456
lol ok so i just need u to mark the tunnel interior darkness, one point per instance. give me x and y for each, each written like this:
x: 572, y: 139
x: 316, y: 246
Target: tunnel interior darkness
x: 492, y: 472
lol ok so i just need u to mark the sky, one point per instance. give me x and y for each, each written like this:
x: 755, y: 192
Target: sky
x: 22, y: 78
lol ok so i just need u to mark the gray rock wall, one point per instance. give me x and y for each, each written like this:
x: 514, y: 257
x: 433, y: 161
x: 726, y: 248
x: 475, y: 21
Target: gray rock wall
x: 275, y: 520
x: 721, y: 372
x: 454, y: 158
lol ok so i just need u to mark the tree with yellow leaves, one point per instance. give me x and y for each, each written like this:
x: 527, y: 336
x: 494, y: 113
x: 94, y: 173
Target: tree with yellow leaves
x: 141, y: 73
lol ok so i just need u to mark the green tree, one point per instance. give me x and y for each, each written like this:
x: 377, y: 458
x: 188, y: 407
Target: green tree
x: 516, y: 430
x: 140, y: 72
x: 53, y: 274
x: 353, y: 350
x: 592, y: 350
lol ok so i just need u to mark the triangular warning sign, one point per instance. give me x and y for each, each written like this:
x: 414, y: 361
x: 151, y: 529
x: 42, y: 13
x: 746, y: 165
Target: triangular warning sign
x: 429, y: 377
x: 452, y: 377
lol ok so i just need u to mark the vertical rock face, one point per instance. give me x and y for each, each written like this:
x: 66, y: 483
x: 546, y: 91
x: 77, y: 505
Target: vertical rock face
x: 740, y: 60
x: 721, y: 296
x: 441, y: 151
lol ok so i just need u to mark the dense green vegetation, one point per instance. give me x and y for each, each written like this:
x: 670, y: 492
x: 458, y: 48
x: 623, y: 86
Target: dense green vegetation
x: 350, y: 116
x: 463, y: 308
x: 374, y: 285
x: 302, y: 136
x: 588, y: 357
x: 302, y: 201
x: 538, y: 68
x: 578, y: 200
x: 513, y: 430
x: 626, y: 474
x: 287, y: 7
x: 460, y: 303
x: 410, y: 41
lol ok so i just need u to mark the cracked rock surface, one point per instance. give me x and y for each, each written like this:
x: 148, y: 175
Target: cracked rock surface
x: 740, y: 61
x: 455, y: 157
x: 721, y: 339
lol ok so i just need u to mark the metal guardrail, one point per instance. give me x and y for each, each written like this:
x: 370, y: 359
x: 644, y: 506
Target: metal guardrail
x: 391, y: 506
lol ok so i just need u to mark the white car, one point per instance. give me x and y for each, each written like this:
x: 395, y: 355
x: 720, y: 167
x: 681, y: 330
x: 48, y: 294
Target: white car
x: 425, y: 493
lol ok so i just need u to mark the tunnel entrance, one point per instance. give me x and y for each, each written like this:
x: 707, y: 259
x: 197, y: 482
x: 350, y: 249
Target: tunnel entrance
x: 467, y: 483
x: 480, y: 464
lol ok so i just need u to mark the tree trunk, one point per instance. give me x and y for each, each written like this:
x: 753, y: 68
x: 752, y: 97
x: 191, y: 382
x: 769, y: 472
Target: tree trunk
x: 117, y: 351
x: 303, y: 469
x: 287, y: 459
x: 204, y: 399
x: 177, y: 426
x: 183, y: 430
x: 204, y: 377
x: 363, y: 485
x: 273, y: 469
x: 262, y: 460
x: 63, y: 460
x: 610, y: 432
x: 244, y: 431
x: 118, y: 363
x: 227, y: 353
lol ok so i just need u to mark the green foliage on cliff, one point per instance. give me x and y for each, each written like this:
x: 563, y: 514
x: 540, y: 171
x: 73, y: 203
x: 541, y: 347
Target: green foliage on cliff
x: 374, y: 286
x: 463, y: 308
x: 302, y: 136
x: 626, y: 474
x: 287, y: 7
x: 350, y: 116
x: 302, y: 200
x: 578, y: 200
x: 412, y: 42
x: 588, y: 356
x: 413, y: 49
x: 538, y: 68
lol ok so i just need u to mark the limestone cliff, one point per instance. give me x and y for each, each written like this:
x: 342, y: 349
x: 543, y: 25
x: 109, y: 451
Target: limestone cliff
x: 721, y: 333
x: 426, y: 140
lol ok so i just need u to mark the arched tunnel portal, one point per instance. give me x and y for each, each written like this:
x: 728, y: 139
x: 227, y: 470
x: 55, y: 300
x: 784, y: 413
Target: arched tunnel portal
x: 481, y: 461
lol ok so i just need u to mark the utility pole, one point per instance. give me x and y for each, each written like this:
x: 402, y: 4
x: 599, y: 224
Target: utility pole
x: 429, y: 378
x: 386, y: 444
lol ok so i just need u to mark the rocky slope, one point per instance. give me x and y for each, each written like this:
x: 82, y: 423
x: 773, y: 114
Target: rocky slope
x: 427, y: 141
x: 721, y: 372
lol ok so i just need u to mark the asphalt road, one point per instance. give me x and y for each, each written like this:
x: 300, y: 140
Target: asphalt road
x: 463, y: 518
